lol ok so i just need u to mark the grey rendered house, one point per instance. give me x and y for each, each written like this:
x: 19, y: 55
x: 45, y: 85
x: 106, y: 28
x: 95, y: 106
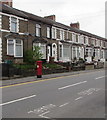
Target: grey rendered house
x: 21, y: 31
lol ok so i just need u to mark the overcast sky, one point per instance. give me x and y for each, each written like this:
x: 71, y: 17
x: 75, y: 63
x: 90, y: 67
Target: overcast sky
x: 89, y: 13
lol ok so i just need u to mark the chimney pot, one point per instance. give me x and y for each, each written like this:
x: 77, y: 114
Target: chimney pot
x: 52, y: 17
x: 75, y: 25
x: 7, y: 2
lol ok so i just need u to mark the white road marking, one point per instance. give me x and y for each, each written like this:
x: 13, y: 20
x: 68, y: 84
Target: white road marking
x: 64, y: 104
x: 97, y: 89
x: 10, y: 102
x: 42, y: 109
x: 78, y: 98
x: 71, y: 85
x: 42, y: 115
x: 90, y: 93
x: 100, y: 77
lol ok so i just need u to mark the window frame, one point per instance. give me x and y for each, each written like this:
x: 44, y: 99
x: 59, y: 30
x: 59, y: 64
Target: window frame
x: 53, y: 33
x: 15, y: 23
x: 38, y: 30
x: 61, y: 34
x: 48, y: 32
x: 14, y: 47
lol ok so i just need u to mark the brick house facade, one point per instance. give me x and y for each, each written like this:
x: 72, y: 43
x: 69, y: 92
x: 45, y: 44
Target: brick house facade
x: 21, y: 31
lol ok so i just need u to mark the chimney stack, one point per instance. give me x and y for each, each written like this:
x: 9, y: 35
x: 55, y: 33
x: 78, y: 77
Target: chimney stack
x: 7, y: 2
x: 52, y: 17
x: 75, y: 25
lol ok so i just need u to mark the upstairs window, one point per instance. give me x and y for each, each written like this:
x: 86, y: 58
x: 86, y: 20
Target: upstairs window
x: 53, y: 33
x: 48, y: 32
x: 84, y: 40
x: 61, y: 34
x: 76, y: 37
x: 14, y: 24
x: 38, y: 30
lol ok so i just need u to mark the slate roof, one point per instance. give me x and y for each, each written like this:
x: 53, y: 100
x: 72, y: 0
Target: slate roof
x: 10, y: 10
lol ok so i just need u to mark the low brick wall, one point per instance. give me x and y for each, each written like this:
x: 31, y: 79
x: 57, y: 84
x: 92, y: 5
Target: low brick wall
x: 99, y: 65
x: 89, y: 66
x: 50, y: 71
x: 11, y: 72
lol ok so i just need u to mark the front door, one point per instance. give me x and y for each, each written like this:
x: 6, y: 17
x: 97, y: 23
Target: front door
x: 54, y: 51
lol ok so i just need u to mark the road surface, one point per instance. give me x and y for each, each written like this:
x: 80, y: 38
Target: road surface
x: 73, y: 96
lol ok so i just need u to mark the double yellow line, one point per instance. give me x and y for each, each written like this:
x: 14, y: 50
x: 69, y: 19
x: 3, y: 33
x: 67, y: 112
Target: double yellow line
x: 43, y: 80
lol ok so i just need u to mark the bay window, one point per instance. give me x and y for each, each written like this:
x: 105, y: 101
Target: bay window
x: 102, y: 54
x: 42, y: 49
x: 78, y: 52
x: 60, y: 50
x: 15, y: 48
x: 74, y: 52
x: 66, y: 51
x: 88, y: 52
x: 18, y: 48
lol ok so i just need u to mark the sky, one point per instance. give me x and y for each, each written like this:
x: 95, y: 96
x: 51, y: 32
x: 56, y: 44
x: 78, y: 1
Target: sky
x: 89, y: 13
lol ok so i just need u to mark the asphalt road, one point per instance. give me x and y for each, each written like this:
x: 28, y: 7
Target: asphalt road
x: 73, y: 96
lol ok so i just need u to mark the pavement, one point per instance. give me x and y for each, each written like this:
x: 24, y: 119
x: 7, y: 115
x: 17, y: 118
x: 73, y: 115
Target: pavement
x: 34, y: 78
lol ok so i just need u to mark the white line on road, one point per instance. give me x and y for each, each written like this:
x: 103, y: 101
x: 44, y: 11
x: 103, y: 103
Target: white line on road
x: 78, y: 98
x: 17, y: 100
x: 41, y: 115
x: 63, y: 104
x: 71, y: 85
x: 100, y: 77
x: 90, y: 93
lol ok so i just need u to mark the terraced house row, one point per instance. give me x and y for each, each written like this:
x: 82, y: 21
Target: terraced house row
x: 20, y: 31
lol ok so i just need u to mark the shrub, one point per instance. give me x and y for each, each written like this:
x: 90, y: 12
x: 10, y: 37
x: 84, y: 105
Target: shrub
x: 31, y: 56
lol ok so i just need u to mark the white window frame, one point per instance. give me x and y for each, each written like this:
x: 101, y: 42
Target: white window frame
x: 74, y: 37
x: 78, y: 52
x: 0, y: 21
x: 38, y: 30
x: 0, y: 50
x: 53, y: 32
x: 41, y: 50
x: 48, y: 32
x: 14, y: 49
x: 74, y: 52
x: 102, y: 54
x: 61, y: 34
x: 60, y: 51
x: 67, y: 35
x: 17, y: 29
x: 77, y: 38
x: 66, y: 52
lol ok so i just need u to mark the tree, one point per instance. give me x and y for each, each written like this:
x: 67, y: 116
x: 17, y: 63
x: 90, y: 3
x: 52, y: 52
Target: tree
x: 37, y: 55
x: 31, y: 56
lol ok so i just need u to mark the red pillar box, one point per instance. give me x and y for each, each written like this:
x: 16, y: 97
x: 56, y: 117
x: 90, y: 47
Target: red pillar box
x: 39, y: 69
